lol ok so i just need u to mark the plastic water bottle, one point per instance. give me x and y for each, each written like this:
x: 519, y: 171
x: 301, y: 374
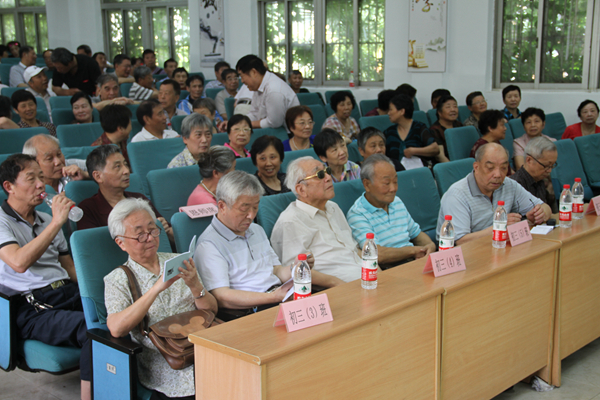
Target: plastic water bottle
x: 75, y: 214
x: 351, y: 79
x: 447, y: 234
x: 565, y: 207
x: 302, y: 278
x: 369, y: 263
x: 499, y: 228
x: 577, y: 199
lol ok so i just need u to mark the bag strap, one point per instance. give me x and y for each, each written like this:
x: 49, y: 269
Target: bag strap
x: 135, y: 293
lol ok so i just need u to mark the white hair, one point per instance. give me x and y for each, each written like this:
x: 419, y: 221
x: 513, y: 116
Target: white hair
x: 236, y: 184
x: 367, y: 169
x: 124, y: 209
x: 295, y: 173
x: 29, y: 146
x: 536, y: 147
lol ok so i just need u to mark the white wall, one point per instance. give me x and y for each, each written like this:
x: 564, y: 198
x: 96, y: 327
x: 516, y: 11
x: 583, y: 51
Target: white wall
x: 75, y: 22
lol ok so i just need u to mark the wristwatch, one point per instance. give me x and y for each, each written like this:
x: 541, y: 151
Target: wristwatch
x: 202, y: 294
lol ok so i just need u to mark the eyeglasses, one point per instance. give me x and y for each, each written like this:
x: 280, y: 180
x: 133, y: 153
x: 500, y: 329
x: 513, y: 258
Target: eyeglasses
x: 238, y: 130
x: 476, y: 103
x: 320, y: 174
x: 143, y: 237
x: 545, y: 167
x: 305, y: 123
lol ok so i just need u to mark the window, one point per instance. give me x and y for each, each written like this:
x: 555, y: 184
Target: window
x: 547, y: 43
x: 168, y: 36
x: 325, y: 39
x: 24, y: 21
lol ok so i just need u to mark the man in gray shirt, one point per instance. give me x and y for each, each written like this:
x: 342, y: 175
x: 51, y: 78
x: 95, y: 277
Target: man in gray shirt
x: 472, y: 200
x: 28, y: 57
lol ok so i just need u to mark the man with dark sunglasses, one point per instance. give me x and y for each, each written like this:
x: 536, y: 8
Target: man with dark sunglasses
x: 315, y: 224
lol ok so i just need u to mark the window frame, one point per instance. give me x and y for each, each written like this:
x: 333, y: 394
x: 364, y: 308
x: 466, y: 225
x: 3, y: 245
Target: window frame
x: 591, y: 56
x: 18, y: 16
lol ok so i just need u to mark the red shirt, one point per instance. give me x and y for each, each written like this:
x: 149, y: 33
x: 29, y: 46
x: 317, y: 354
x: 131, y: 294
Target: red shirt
x: 574, y: 131
x: 122, y: 145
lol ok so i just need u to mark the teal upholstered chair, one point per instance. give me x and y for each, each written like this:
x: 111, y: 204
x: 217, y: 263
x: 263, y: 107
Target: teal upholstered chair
x: 421, y: 117
x: 280, y: 133
x: 416, y: 103
x: 229, y: 106
x: 5, y: 71
x: 133, y: 108
x: 463, y: 113
x: 448, y: 173
x: 381, y: 122
x: 555, y: 125
x: 64, y: 116
x: 81, y: 190
x: 460, y: 141
x: 418, y: 192
x: 78, y: 135
x: 185, y: 228
x: 568, y: 168
x: 290, y: 156
x: 269, y: 209
x: 516, y: 127
x: 307, y: 99
x: 184, y: 94
x: 80, y: 153
x: 432, y: 116
x: 219, y: 139
x: 12, y: 140
x: 346, y: 193
x: 367, y: 105
x: 245, y: 164
x: 213, y: 92
x: 60, y: 102
x: 170, y: 188
x: 8, y: 91
x: 176, y: 122
x: 588, y: 148
x: 507, y: 143
x: 353, y: 153
x: 124, y: 88
x: 319, y: 117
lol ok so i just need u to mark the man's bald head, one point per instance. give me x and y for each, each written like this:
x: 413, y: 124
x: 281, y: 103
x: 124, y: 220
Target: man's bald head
x: 33, y: 144
x: 489, y: 148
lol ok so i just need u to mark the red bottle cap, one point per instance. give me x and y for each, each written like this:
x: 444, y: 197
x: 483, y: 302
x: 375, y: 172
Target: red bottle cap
x: 577, y: 179
x: 500, y: 203
x: 302, y: 257
x: 448, y: 217
x: 370, y: 236
x: 566, y: 186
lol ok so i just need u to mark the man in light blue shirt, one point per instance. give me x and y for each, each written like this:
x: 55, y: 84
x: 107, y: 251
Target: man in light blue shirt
x: 472, y: 200
x: 398, y: 237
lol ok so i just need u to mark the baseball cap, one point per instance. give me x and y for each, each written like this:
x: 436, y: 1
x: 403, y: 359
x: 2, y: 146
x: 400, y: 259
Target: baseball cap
x: 32, y: 71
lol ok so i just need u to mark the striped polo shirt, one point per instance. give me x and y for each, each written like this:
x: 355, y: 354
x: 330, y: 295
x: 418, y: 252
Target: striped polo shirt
x: 394, y: 228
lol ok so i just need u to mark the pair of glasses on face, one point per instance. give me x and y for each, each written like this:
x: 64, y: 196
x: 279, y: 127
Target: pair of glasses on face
x: 546, y: 167
x: 320, y: 174
x: 143, y: 237
x: 238, y: 130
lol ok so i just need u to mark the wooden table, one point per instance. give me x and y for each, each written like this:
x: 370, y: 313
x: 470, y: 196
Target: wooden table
x: 497, y: 316
x: 577, y: 317
x: 382, y: 343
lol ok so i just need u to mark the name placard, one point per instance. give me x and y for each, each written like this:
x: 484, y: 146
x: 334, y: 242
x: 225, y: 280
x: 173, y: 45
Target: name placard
x: 445, y: 262
x: 304, y: 313
x: 519, y: 233
x: 594, y: 206
x: 199, y: 210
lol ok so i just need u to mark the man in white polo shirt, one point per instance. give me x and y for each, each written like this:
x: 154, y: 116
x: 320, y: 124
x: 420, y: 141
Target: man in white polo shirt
x: 153, y: 118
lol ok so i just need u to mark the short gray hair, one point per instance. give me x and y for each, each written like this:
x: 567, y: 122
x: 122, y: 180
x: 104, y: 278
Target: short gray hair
x: 29, y: 146
x: 217, y: 158
x: 536, y: 147
x: 195, y: 120
x: 295, y: 173
x: 367, y: 169
x: 236, y: 184
x: 205, y: 102
x: 105, y: 78
x: 141, y: 72
x: 481, y: 151
x: 124, y: 209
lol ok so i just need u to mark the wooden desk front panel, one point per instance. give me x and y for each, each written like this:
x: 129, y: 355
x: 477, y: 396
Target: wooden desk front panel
x: 497, y: 331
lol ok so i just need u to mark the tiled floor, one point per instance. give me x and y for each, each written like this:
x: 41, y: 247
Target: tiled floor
x: 580, y: 381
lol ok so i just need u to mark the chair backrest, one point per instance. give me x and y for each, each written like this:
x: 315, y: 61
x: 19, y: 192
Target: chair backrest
x: 135, y: 128
x: 11, y: 61
x: 421, y: 117
x: 64, y: 116
x: 78, y: 135
x: 133, y: 108
x: 381, y: 122
x: 418, y: 192
x: 516, y: 127
x: 463, y: 113
x: 306, y: 99
x: 269, y: 209
x: 170, y: 188
x: 184, y: 94
x: 176, y: 122
x: 81, y: 190
x: 245, y: 164
x: 201, y: 75
x: 507, y: 143
x: 416, y: 103
x: 290, y: 156
x: 367, y: 105
x: 185, y: 228
x: 353, y: 153
x: 8, y: 91
x: 12, y: 140
x: 319, y: 117
x: 229, y: 106
x: 588, y: 148
x: 153, y: 154
x: 460, y: 141
x: 568, y: 168
x: 555, y: 125
x: 212, y: 93
x: 328, y: 95
x: 219, y: 139
x: 448, y: 173
x: 58, y: 102
x: 80, y: 153
x: 5, y: 72
x: 346, y: 193
x: 432, y: 116
x: 280, y: 133
x: 125, y: 87
x: 355, y: 112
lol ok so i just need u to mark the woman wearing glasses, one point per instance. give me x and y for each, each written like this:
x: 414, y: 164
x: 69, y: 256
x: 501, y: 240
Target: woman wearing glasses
x: 477, y: 105
x: 534, y: 121
x: 239, y: 129
x: 132, y: 225
x: 299, y: 120
x: 267, y: 155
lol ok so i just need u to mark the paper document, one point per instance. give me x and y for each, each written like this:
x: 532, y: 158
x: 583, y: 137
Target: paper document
x: 290, y: 292
x: 172, y: 265
x: 542, y: 229
x: 412, y: 162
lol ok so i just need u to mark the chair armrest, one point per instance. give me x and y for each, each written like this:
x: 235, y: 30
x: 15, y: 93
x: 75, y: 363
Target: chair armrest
x: 123, y: 344
x: 8, y: 293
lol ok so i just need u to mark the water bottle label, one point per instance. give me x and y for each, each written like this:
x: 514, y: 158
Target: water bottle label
x: 577, y: 207
x: 565, y: 212
x: 446, y: 244
x: 499, y: 231
x: 302, y: 290
x: 369, y: 270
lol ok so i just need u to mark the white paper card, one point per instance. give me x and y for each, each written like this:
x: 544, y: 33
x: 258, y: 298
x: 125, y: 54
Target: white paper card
x: 172, y: 265
x: 542, y: 229
x: 412, y: 162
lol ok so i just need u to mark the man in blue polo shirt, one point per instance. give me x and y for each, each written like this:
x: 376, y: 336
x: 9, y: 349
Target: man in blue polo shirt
x: 398, y: 237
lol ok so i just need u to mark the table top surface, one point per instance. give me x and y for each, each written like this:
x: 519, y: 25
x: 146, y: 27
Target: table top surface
x: 580, y: 227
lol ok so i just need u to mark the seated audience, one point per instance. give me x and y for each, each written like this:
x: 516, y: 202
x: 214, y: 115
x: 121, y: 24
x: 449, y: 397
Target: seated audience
x: 219, y: 81
x: 132, y: 226
x: 492, y: 125
x: 77, y: 71
x: 332, y: 150
x: 34, y: 259
x: 143, y: 87
x: 24, y: 104
x: 408, y: 138
x: 28, y: 58
x: 534, y: 121
x: 83, y: 110
x: 150, y: 62
x: 473, y: 200
x: 46, y: 150
x: 267, y: 155
x: 85, y: 50
x: 272, y: 96
x: 168, y: 96
x: 122, y: 64
x: 383, y: 103
x: 206, y: 106
x: 437, y: 94
x: 180, y: 75
x: 169, y: 66
x: 196, y: 132
x: 13, y: 48
x: 195, y: 85
x: 447, y: 113
x: 588, y: 113
x: 296, y: 79
x: 217, y: 162
x: 115, y: 120
x: 299, y: 120
x: 153, y: 118
x: 108, y: 92
x: 37, y: 83
x: 372, y: 141
x: 534, y: 176
x: 477, y: 105
x: 6, y: 121
x: 398, y: 237
x: 313, y: 223
x: 511, y: 96
x: 239, y: 130
x: 230, y: 79
x: 100, y: 59
x: 342, y: 103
